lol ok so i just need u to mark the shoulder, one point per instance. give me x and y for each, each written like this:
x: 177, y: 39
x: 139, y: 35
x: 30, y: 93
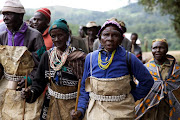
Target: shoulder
x: 33, y: 31
x: 121, y: 51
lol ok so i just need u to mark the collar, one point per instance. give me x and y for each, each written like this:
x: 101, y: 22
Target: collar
x: 119, y: 50
x: 22, y: 29
x: 46, y: 32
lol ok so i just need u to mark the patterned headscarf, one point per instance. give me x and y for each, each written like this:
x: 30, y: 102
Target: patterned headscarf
x: 110, y: 22
x: 161, y: 40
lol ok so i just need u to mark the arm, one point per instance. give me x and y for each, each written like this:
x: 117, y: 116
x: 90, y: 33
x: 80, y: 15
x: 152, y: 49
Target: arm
x: 84, y: 96
x: 39, y: 82
x: 37, y: 48
x: 145, y: 79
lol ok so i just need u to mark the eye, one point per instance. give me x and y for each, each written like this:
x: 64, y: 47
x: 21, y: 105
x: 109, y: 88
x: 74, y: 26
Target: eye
x: 53, y: 36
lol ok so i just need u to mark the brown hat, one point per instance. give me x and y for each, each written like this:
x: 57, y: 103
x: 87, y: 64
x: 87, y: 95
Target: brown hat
x: 13, y: 6
x: 91, y: 24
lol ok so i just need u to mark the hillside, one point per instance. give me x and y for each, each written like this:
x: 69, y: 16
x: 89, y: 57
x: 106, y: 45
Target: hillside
x: 148, y: 26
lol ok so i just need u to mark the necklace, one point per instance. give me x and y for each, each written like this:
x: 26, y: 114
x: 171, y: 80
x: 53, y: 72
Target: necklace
x: 55, y: 62
x: 105, y: 65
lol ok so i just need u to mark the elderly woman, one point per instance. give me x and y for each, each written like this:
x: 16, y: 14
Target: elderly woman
x: 162, y: 102
x: 60, y: 67
x: 105, y: 86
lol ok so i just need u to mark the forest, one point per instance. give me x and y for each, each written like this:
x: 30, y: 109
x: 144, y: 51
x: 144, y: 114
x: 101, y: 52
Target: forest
x: 149, y: 26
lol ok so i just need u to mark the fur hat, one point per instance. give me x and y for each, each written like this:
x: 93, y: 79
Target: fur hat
x: 13, y: 6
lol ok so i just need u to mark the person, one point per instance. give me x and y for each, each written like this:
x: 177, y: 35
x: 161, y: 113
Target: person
x: 41, y: 20
x: 31, y: 22
x: 125, y: 43
x: 105, y: 87
x: 162, y: 102
x: 81, y: 32
x: 91, y: 30
x: 18, y: 35
x: 136, y: 49
x: 61, y: 67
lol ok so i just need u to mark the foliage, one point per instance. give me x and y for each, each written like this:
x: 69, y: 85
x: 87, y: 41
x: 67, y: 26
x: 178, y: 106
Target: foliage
x: 166, y: 7
x: 148, y: 26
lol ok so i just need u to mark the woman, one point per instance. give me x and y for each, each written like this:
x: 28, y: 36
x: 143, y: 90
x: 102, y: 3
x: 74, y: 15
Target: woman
x: 162, y: 102
x: 61, y: 67
x: 105, y: 86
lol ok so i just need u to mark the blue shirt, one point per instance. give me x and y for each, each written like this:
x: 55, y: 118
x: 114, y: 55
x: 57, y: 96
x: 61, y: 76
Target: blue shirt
x: 117, y: 68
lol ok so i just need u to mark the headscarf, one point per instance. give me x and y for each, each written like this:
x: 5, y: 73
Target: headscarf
x: 110, y: 22
x: 161, y: 40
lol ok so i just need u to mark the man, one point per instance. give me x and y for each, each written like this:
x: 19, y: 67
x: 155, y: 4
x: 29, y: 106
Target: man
x: 136, y: 49
x: 41, y: 20
x: 162, y: 102
x: 91, y: 29
x: 81, y: 32
x: 18, y: 35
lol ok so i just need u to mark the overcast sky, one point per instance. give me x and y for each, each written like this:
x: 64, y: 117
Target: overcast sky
x: 96, y: 5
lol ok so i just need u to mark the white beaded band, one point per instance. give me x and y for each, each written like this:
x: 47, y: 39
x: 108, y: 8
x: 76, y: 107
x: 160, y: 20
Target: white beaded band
x: 12, y: 77
x: 62, y: 96
x: 107, y: 98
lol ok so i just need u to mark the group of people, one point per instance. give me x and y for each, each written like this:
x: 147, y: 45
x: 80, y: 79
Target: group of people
x: 42, y: 64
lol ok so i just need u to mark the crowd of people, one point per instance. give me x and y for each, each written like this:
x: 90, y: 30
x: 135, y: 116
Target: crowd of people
x: 46, y: 73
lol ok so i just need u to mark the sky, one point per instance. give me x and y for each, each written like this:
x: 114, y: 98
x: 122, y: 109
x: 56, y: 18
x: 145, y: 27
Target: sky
x: 95, y: 5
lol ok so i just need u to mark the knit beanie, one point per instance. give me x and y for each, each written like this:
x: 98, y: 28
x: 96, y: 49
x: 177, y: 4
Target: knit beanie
x: 13, y: 6
x: 46, y: 12
x: 110, y: 22
x: 61, y: 24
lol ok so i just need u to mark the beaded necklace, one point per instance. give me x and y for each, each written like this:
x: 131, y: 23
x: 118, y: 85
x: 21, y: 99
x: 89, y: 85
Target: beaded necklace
x: 107, y: 63
x: 55, y: 62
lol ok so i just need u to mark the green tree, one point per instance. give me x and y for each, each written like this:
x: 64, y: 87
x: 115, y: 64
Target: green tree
x: 166, y: 7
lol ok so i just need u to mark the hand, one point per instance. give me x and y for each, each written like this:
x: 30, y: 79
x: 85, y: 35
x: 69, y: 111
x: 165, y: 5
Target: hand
x: 75, y: 114
x: 26, y: 93
x: 21, y: 84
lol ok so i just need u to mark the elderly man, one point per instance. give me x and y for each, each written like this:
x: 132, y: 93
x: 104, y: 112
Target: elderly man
x: 41, y: 21
x: 91, y: 29
x: 18, y: 37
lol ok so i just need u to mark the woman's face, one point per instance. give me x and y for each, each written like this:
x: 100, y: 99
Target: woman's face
x: 59, y: 38
x: 159, y: 50
x: 111, y: 38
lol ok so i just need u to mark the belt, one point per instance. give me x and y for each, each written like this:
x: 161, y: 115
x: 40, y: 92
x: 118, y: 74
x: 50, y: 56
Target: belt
x: 107, y: 98
x: 62, y: 96
x: 13, y: 77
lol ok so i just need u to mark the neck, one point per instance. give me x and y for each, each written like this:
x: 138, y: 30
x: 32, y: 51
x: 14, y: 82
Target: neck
x: 17, y: 27
x: 160, y: 62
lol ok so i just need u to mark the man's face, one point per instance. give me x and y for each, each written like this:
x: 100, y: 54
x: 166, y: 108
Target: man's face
x: 110, y: 38
x: 159, y: 50
x: 92, y: 32
x: 133, y: 39
x: 39, y: 22
x: 11, y: 20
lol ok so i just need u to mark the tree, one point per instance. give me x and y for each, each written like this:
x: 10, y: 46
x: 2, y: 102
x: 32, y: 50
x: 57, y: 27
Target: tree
x: 166, y: 7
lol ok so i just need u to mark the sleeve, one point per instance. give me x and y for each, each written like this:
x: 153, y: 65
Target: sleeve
x: 37, y: 48
x: 39, y: 82
x: 145, y: 79
x: 84, y: 96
